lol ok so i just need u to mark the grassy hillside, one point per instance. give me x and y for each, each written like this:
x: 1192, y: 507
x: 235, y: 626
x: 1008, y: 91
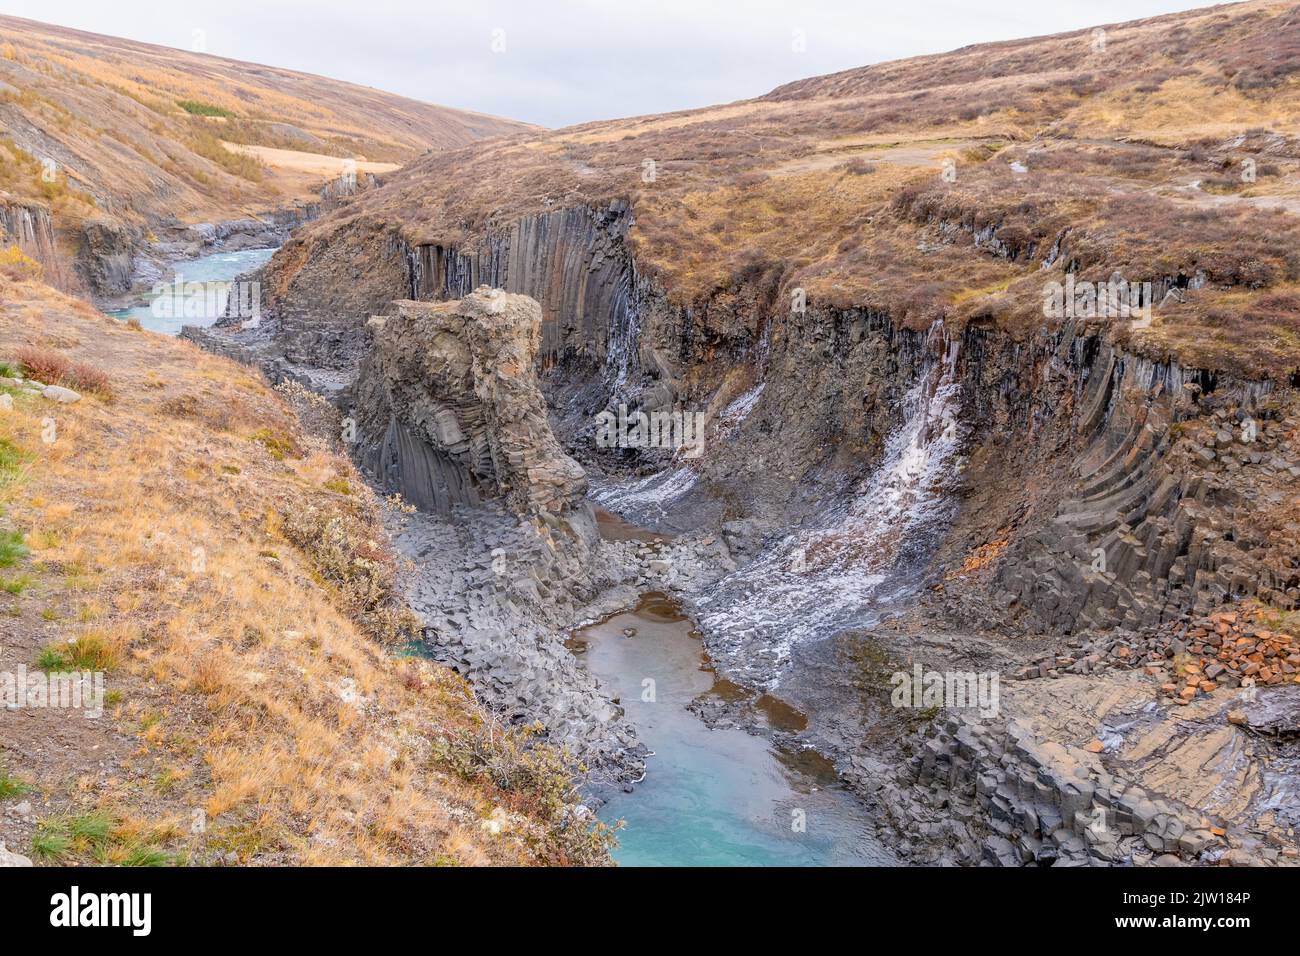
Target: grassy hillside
x: 1165, y: 149
x: 113, y: 143
x: 143, y: 128
x: 182, y: 530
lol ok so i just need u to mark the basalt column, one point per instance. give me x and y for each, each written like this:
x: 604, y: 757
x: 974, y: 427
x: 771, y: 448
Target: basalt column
x: 449, y: 411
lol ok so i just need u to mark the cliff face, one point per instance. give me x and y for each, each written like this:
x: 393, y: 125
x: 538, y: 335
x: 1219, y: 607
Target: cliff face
x: 574, y: 262
x: 28, y: 226
x: 449, y: 410
x: 1110, y: 448
x: 1162, y: 509
x: 106, y: 256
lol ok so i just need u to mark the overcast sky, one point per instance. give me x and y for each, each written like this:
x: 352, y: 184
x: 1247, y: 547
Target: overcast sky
x: 557, y: 62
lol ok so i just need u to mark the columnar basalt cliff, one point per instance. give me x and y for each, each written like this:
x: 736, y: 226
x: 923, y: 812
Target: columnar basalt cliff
x: 449, y: 414
x: 449, y: 411
x: 28, y: 226
x: 573, y: 261
x: 1162, y: 514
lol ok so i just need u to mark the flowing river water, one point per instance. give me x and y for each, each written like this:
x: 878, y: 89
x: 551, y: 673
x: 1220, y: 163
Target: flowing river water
x: 713, y: 796
x: 204, y: 295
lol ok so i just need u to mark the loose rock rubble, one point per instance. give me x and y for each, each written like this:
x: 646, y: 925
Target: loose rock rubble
x: 1228, y: 649
x: 499, y: 594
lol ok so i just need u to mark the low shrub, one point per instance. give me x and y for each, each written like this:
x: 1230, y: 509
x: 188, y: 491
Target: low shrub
x: 346, y: 553
x: 858, y: 167
x: 54, y: 368
x: 88, y: 652
x: 17, y: 265
x: 11, y: 786
x: 12, y: 548
x: 536, y: 777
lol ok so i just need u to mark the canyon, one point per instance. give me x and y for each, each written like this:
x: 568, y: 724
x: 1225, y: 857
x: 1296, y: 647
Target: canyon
x: 906, y: 474
x: 909, y: 466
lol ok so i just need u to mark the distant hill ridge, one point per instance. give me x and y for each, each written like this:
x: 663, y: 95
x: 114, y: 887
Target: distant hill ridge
x: 135, y: 138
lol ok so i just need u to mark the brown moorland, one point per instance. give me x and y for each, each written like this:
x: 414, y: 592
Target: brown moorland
x: 1164, y: 149
x: 120, y: 139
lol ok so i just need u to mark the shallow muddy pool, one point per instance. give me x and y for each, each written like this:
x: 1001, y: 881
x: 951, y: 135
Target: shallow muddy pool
x: 614, y: 528
x: 719, y: 797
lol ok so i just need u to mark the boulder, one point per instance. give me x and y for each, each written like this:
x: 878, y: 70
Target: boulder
x: 57, y: 393
x: 12, y: 859
x: 449, y: 409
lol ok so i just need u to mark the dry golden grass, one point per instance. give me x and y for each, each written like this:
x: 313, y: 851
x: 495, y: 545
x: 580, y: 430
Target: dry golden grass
x: 245, y: 685
x: 109, y: 111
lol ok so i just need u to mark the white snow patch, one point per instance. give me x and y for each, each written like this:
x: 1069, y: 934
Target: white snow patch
x: 649, y: 498
x: 828, y: 576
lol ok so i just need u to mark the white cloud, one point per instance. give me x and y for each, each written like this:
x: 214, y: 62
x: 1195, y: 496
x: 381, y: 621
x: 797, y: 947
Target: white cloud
x: 570, y: 61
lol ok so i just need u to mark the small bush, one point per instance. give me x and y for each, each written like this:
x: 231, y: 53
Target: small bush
x: 858, y: 167
x: 91, y: 379
x: 147, y: 856
x: 12, y: 548
x: 45, y: 365
x: 17, y: 265
x: 93, y: 828
x: 52, y: 368
x: 51, y: 842
x: 100, y: 837
x: 982, y: 153
x: 89, y: 652
x: 11, y: 786
x: 346, y: 552
x: 537, y: 777
x: 280, y: 446
x: 11, y: 461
